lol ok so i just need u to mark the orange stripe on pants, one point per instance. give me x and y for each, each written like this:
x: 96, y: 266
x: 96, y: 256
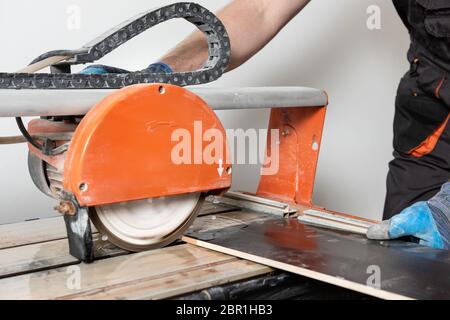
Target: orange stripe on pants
x: 428, y: 145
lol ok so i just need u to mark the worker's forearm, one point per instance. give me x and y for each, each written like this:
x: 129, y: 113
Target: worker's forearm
x: 251, y: 24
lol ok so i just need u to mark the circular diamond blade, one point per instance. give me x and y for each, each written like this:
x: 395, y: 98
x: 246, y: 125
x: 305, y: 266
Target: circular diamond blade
x: 147, y: 224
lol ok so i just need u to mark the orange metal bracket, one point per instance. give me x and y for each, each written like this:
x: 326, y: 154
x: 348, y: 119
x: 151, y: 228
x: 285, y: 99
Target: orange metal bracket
x: 300, y: 138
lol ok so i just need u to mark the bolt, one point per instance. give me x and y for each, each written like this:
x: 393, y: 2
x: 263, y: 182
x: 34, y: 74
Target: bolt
x: 83, y: 187
x: 66, y: 207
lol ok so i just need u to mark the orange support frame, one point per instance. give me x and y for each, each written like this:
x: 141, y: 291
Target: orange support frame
x: 299, y: 145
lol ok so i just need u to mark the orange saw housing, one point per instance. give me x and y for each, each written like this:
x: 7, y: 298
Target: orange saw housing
x: 122, y: 150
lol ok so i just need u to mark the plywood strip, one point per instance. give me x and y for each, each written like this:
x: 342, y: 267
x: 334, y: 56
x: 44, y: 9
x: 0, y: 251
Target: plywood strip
x: 178, y: 283
x: 28, y: 232
x: 46, y: 255
x: 110, y: 273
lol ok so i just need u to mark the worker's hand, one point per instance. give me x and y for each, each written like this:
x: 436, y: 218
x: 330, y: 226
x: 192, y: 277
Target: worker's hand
x: 429, y: 221
x: 158, y: 67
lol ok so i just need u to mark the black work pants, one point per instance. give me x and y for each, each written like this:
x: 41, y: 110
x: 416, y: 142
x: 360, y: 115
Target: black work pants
x: 412, y: 179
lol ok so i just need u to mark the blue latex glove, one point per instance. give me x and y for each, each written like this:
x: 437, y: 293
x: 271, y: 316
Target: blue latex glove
x: 429, y: 221
x: 158, y: 67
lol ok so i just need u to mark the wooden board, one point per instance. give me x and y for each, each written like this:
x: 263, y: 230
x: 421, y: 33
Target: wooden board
x: 41, y: 244
x: 131, y: 276
x: 46, y: 255
x: 18, y: 234
x: 405, y: 270
x: 35, y: 263
x: 177, y: 283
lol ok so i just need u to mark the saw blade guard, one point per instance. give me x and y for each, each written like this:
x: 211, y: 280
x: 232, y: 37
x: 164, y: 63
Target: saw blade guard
x: 147, y: 141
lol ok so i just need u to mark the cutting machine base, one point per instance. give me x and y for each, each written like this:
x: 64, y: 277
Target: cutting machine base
x: 108, y: 156
x: 113, y: 164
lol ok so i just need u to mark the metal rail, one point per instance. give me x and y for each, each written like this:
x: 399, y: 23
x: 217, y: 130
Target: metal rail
x: 23, y: 103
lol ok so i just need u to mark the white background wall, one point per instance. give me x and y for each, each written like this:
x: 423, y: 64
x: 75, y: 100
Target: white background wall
x: 327, y: 46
